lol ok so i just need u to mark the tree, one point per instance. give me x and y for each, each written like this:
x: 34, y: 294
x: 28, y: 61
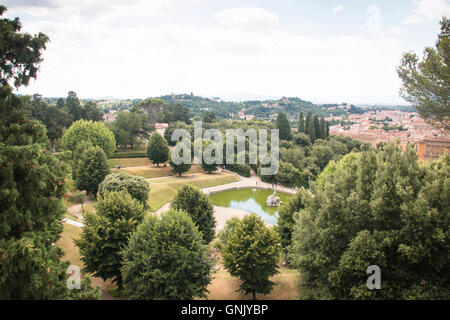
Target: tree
x: 90, y: 111
x: 31, y: 182
x: 199, y: 208
x: 376, y: 208
x: 106, y: 232
x: 129, y: 128
x: 209, y: 156
x: 286, y: 222
x: 322, y: 129
x: 137, y: 187
x: 92, y: 168
x: 302, y: 140
x: 175, y: 112
x: 20, y: 52
x: 223, y: 235
x: 78, y: 197
x: 166, y: 259
x: 284, y: 127
x: 180, y: 167
x: 157, y: 149
x: 209, y: 117
x: 54, y: 118
x: 152, y: 108
x: 172, y: 127
x: 94, y: 132
x: 287, y: 173
x: 73, y: 105
x: 76, y: 155
x: 426, y: 83
x: 251, y: 253
x: 301, y: 123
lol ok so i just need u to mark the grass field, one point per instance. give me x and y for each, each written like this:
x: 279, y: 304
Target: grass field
x: 163, y: 190
x: 224, y: 287
x: 71, y: 251
x: 129, y: 162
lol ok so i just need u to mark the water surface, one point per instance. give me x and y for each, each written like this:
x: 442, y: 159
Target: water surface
x: 251, y: 201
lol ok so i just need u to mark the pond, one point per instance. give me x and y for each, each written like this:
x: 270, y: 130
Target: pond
x: 251, y: 201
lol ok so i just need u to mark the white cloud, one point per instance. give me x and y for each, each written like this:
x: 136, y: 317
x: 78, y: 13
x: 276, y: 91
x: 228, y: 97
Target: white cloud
x: 338, y: 8
x: 247, y: 19
x: 111, y: 54
x: 426, y: 10
x: 396, y: 29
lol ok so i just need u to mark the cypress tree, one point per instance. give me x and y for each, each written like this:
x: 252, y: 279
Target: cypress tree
x: 301, y: 123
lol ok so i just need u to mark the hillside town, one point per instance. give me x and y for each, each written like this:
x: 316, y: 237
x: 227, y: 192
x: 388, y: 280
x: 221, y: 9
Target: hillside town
x: 393, y: 125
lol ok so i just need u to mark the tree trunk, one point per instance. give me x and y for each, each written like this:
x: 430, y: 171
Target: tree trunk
x: 254, y: 295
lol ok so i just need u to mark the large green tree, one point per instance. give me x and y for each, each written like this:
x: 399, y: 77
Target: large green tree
x: 157, y: 149
x: 130, y: 128
x: 94, y: 132
x: 426, y: 83
x: 106, y: 232
x: 252, y: 253
x: 376, y: 208
x: 31, y: 182
x: 284, y: 127
x: 167, y: 259
x: 197, y: 205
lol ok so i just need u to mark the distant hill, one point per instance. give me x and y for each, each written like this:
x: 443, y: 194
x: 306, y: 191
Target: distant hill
x: 259, y: 109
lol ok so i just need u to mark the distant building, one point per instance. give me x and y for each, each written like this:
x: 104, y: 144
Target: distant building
x: 432, y: 148
x: 161, y: 128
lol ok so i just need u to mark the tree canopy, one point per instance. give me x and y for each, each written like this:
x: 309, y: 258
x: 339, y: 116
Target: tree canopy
x: 94, y: 132
x: 426, y: 83
x: 198, y: 206
x: 375, y: 208
x: 166, y: 259
x: 252, y: 253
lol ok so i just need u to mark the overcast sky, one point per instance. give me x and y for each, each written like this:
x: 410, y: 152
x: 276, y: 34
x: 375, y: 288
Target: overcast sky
x: 322, y: 51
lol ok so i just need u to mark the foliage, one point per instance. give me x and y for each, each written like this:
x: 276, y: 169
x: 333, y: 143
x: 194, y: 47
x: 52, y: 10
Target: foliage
x: 92, y: 168
x: 130, y: 128
x: 31, y: 182
x: 426, y: 83
x: 209, y: 117
x: 251, y: 253
x: 376, y: 208
x: 284, y: 127
x: 166, y: 259
x: 286, y: 222
x: 175, y: 112
x: 197, y: 205
x: 136, y: 186
x: 78, y: 197
x: 20, y: 52
x: 223, y: 235
x: 157, y: 149
x: 181, y: 167
x: 94, y: 132
x: 106, y: 232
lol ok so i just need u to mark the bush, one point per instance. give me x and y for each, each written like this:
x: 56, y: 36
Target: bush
x: 166, y: 259
x: 136, y: 186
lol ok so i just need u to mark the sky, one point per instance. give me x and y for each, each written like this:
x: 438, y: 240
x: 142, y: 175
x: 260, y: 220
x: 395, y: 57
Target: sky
x: 323, y: 51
